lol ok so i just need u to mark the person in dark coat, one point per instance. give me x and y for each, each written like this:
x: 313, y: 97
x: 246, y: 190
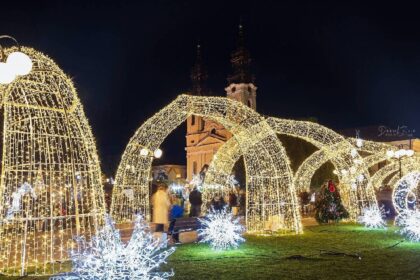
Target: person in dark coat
x: 195, y: 201
x: 233, y: 200
x: 218, y: 203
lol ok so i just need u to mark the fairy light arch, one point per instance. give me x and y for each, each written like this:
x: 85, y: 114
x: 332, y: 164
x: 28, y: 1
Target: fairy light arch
x: 50, y: 185
x: 269, y: 180
x: 382, y: 174
x: 335, y: 154
x: 355, y: 199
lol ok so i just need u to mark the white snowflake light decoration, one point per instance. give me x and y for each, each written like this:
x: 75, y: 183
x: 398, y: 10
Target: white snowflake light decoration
x: 221, y: 230
x: 409, y: 221
x: 107, y: 257
x: 373, y: 217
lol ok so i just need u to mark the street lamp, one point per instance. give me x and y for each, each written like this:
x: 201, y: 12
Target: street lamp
x: 399, y: 155
x: 144, y: 152
x: 16, y: 64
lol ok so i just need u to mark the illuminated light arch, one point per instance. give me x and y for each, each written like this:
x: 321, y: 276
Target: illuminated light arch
x: 321, y: 137
x: 378, y: 178
x: 47, y: 143
x: 405, y: 186
x: 335, y: 153
x: 269, y: 180
x: 373, y: 147
x: 312, y: 163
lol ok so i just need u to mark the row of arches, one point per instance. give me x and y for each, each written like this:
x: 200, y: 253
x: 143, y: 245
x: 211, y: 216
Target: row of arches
x: 271, y: 184
x: 51, y: 190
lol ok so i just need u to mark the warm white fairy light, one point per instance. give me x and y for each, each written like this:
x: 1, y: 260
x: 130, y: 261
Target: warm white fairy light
x: 332, y: 147
x: 221, y: 230
x: 106, y: 257
x: 17, y: 196
x: 47, y: 142
x: 409, y: 222
x: 373, y: 217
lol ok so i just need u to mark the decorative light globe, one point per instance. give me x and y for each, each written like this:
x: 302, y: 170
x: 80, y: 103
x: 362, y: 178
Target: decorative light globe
x: 144, y: 152
x: 359, y: 142
x: 390, y: 153
x: 20, y: 63
x: 7, y: 75
x: 410, y: 153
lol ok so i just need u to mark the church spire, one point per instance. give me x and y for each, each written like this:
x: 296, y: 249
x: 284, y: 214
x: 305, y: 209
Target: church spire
x: 198, y: 75
x: 241, y: 62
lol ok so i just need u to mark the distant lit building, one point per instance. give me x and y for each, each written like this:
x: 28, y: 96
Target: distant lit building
x: 169, y: 173
x: 204, y: 137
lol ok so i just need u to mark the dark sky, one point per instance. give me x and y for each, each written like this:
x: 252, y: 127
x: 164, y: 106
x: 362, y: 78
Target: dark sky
x: 348, y: 65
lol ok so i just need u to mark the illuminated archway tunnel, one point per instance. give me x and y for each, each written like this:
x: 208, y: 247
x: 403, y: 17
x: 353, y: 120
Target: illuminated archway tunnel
x: 271, y: 192
x: 331, y: 145
x: 51, y: 185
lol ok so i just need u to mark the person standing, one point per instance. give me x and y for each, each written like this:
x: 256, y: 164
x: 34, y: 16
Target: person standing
x: 195, y: 201
x: 161, y: 205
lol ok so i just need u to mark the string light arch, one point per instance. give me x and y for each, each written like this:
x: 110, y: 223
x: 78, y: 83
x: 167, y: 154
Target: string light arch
x: 271, y: 192
x: 332, y: 147
x: 385, y: 172
x: 50, y: 185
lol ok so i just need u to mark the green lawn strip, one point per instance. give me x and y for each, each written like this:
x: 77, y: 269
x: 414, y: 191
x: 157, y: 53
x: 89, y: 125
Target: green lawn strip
x: 345, y: 251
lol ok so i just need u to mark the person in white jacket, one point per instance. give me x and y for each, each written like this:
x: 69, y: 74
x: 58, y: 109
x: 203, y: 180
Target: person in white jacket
x: 161, y: 206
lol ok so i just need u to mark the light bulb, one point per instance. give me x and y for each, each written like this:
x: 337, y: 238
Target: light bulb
x: 157, y: 153
x: 144, y: 152
x: 390, y: 153
x: 359, y: 142
x: 19, y: 63
x: 6, y: 74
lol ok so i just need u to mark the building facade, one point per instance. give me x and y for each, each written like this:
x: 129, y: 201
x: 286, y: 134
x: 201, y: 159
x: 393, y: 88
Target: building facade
x: 204, y: 137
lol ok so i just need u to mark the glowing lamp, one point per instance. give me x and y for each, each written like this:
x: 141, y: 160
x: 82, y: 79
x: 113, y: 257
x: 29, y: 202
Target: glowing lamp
x: 157, y: 153
x: 359, y: 142
x: 144, y: 152
x: 409, y: 153
x: 19, y: 63
x: 390, y: 153
x: 7, y: 75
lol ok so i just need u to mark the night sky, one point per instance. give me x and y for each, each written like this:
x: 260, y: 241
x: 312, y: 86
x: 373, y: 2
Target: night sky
x: 348, y: 65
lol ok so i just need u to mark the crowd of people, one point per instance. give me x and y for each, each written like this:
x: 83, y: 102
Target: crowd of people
x: 167, y: 207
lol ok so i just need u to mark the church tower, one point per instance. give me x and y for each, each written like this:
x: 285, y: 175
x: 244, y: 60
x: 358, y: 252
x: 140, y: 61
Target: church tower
x: 241, y: 82
x: 204, y: 137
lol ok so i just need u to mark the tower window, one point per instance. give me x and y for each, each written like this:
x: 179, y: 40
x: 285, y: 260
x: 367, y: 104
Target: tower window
x: 213, y: 131
x: 192, y: 120
x: 233, y: 89
x: 249, y: 103
x: 249, y: 89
